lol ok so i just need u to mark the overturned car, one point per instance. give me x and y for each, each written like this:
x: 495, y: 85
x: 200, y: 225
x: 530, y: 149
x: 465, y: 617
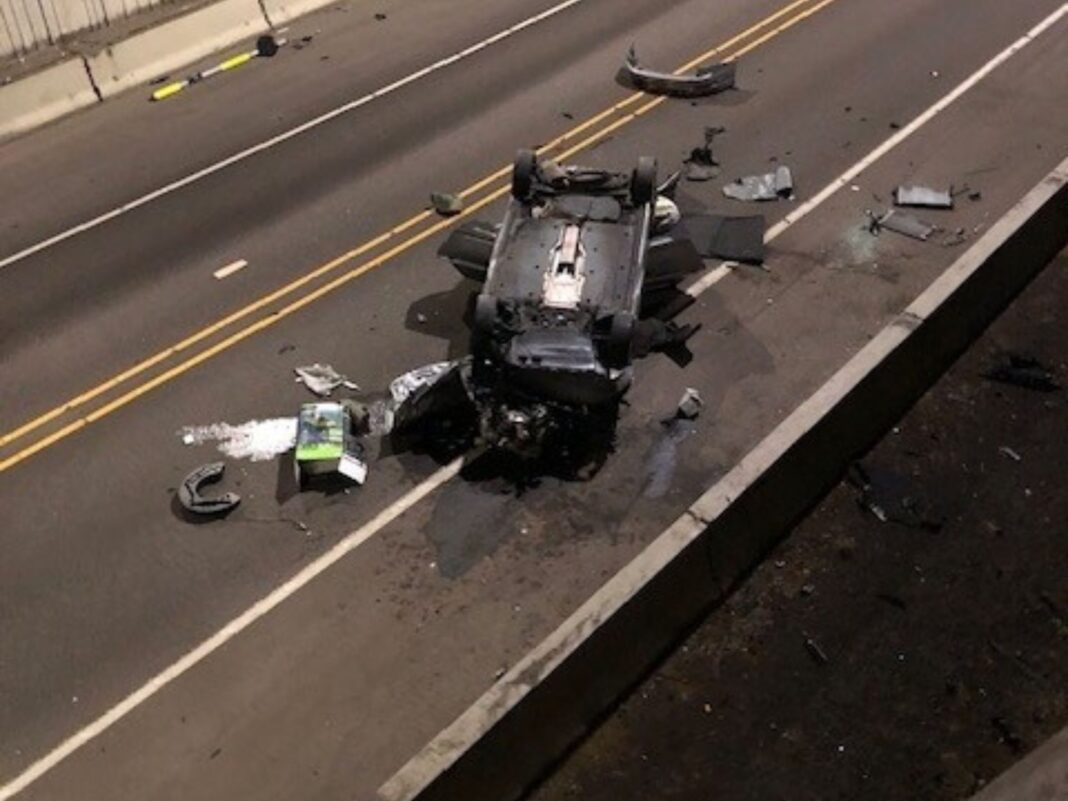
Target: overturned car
x: 555, y: 322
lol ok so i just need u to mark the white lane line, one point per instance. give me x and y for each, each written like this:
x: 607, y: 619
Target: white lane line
x: 401, y: 505
x: 230, y: 269
x: 292, y: 132
x: 230, y: 630
x: 810, y: 205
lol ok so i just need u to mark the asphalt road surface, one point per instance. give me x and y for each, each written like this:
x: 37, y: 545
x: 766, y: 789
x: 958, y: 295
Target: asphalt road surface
x: 114, y: 337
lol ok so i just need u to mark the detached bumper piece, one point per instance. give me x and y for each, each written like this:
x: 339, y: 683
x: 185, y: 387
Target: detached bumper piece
x: 706, y: 81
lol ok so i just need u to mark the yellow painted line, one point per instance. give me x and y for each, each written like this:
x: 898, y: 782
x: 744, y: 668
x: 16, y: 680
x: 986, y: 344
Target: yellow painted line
x: 333, y: 264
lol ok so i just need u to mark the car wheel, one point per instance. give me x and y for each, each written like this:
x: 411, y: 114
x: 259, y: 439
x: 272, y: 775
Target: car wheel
x: 524, y: 170
x: 485, y: 313
x: 620, y: 335
x: 643, y: 181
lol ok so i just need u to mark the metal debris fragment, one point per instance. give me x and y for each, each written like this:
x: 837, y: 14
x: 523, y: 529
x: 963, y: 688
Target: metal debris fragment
x: 191, y: 499
x: 670, y: 184
x: 816, y: 651
x: 445, y: 204
x: 708, y: 80
x: 689, y: 404
x: 701, y: 164
x: 716, y: 236
x: 770, y: 186
x: 322, y: 379
x: 1023, y: 371
x: 892, y: 497
x: 902, y: 223
x: 923, y: 196
x: 1005, y: 449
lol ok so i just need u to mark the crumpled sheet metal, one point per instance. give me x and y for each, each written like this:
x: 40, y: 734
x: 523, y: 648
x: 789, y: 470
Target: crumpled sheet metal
x: 770, y: 186
x: 433, y: 388
x: 923, y: 196
x: 191, y: 499
x: 705, y: 81
x: 322, y: 379
x: 715, y: 236
x: 905, y: 224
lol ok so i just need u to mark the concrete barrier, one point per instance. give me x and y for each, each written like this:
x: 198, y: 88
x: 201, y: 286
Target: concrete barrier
x: 543, y: 705
x: 279, y: 12
x: 45, y: 96
x: 175, y: 44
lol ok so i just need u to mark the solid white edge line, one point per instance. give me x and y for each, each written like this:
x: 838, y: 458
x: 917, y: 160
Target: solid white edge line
x: 230, y: 269
x: 286, y: 135
x: 446, y: 746
x: 230, y: 630
x: 806, y: 208
x: 407, y: 501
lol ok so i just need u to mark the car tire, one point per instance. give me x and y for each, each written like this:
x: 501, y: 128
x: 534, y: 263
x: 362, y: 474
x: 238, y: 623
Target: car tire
x: 643, y: 181
x: 524, y: 172
x: 485, y: 314
x: 620, y: 335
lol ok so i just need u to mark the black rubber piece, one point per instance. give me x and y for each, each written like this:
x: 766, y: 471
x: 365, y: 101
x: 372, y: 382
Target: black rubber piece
x: 524, y: 171
x: 266, y: 46
x: 643, y: 181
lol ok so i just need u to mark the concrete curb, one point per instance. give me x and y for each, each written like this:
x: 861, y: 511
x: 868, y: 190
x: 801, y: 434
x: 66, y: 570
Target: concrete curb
x: 44, y: 96
x: 546, y: 702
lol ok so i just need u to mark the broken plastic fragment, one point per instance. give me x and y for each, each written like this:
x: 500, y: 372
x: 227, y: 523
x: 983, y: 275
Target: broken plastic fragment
x: 923, y: 196
x: 322, y: 379
x: 352, y: 466
x: 445, y: 204
x: 705, y: 81
x: 191, y: 499
x: 666, y: 214
x: 771, y: 186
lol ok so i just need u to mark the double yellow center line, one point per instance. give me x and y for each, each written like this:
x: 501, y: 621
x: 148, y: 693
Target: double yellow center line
x: 563, y: 147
